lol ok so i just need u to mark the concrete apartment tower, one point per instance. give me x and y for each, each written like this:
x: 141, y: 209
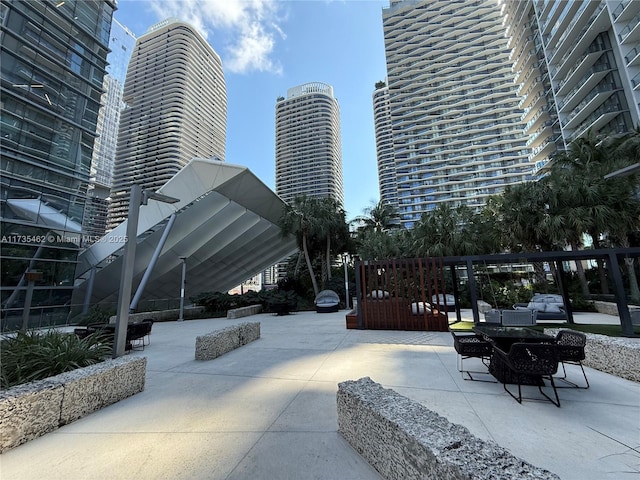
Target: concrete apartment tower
x: 540, y: 113
x: 578, y: 69
x: 54, y: 56
x: 308, y: 145
x: 121, y: 44
x: 176, y: 109
x: 457, y: 132
x: 581, y: 58
x: 384, y: 146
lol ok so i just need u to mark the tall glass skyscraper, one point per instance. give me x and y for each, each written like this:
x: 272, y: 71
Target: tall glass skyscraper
x: 52, y: 66
x: 308, y: 144
x: 457, y: 133
x: 176, y: 109
x: 121, y: 43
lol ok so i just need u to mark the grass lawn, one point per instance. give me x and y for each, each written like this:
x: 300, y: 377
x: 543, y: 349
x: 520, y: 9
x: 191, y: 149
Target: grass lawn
x: 610, y: 330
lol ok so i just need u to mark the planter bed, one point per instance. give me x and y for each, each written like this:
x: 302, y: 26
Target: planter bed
x: 33, y: 409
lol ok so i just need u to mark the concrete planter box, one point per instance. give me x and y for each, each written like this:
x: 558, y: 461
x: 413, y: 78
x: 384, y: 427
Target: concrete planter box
x: 164, y: 315
x: 404, y: 440
x: 222, y: 341
x: 244, y: 311
x: 33, y: 409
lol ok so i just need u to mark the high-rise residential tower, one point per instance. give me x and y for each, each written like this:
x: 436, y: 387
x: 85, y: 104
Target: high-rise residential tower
x: 540, y: 114
x: 52, y: 66
x: 384, y: 146
x: 308, y: 144
x: 176, y: 109
x: 592, y: 49
x: 590, y: 60
x: 121, y: 43
x: 457, y: 133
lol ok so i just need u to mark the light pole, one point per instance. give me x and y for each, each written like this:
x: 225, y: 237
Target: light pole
x: 182, y: 284
x: 136, y: 198
x: 345, y: 259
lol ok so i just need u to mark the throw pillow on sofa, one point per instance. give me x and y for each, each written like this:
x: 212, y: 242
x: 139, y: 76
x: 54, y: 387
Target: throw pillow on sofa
x: 539, y: 306
x: 554, y: 308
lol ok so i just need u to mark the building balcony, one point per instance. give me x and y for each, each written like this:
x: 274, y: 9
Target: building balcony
x: 581, y: 89
x: 630, y: 34
x: 578, y: 70
x: 588, y: 105
x: 625, y: 11
x: 633, y: 57
x: 635, y: 82
x: 581, y: 13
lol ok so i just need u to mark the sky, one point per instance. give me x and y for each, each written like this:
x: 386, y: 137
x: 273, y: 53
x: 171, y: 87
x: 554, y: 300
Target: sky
x: 269, y: 46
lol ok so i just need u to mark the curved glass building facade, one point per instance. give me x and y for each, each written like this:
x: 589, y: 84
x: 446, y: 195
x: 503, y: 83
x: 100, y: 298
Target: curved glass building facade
x: 53, y: 63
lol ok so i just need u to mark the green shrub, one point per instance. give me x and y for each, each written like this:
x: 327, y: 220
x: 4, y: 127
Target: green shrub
x: 37, y: 355
x: 96, y: 315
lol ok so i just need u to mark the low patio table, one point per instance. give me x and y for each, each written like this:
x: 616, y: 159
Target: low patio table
x: 503, y: 337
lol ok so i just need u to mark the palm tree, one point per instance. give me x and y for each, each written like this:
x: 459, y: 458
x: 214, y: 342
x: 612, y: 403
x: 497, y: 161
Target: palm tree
x: 332, y: 228
x: 380, y: 217
x: 298, y: 219
x: 320, y: 227
x: 627, y: 206
x: 590, y: 201
x: 524, y: 209
x: 445, y: 231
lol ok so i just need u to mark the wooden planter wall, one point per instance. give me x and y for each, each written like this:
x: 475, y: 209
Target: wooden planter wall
x: 397, y: 294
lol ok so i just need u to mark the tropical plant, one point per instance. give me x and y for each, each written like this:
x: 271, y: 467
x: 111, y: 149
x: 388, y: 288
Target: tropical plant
x: 446, y: 231
x: 588, y: 201
x: 33, y: 355
x: 320, y: 229
x: 96, y: 315
x: 379, y: 217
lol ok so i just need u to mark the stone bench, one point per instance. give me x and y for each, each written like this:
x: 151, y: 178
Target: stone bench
x: 33, y: 409
x: 217, y: 343
x: 404, y: 440
x: 615, y: 355
x: 244, y: 311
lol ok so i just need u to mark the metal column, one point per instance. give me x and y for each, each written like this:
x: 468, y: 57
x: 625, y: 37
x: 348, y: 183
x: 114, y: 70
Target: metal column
x: 126, y: 280
x: 152, y: 263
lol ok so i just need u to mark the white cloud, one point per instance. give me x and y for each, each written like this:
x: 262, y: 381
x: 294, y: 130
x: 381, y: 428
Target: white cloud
x: 243, y: 32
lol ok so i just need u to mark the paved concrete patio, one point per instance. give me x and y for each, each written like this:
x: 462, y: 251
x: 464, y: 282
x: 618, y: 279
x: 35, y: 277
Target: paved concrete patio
x: 268, y: 410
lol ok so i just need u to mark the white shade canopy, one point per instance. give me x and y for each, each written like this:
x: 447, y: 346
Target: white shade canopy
x: 226, y: 227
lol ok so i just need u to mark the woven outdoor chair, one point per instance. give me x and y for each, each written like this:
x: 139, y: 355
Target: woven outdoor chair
x: 570, y: 349
x: 472, y: 346
x: 136, y: 333
x: 526, y: 362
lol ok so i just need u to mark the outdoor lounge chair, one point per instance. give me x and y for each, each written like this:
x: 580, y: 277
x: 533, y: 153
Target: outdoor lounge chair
x: 471, y: 346
x: 526, y: 362
x: 327, y: 301
x: 570, y: 349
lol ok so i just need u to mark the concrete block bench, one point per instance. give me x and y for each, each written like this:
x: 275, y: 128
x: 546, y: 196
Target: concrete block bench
x: 217, y: 343
x: 404, y: 440
x: 615, y: 355
x: 33, y: 409
x: 244, y: 311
